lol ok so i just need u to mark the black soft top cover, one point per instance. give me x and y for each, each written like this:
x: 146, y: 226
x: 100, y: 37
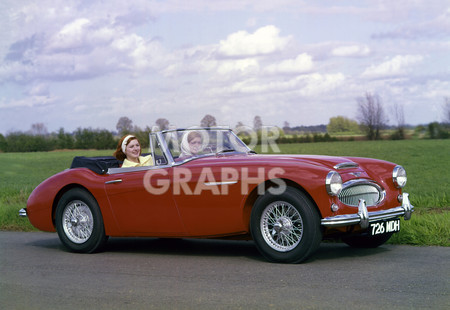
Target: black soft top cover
x: 99, y: 164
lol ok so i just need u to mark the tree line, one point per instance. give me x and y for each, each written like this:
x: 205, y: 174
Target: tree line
x: 371, y: 115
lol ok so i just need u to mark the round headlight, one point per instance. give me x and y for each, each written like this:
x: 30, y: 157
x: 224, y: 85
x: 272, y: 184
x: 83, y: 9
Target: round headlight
x: 399, y: 176
x: 333, y: 183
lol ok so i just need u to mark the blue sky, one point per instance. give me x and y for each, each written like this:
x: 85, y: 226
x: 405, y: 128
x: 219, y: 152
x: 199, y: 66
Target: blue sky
x: 85, y: 64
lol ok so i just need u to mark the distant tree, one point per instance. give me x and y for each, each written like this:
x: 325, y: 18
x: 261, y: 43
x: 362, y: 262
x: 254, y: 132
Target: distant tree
x: 2, y: 143
x: 399, y: 116
x: 239, y: 125
x: 446, y: 114
x: 84, y: 138
x: 438, y: 131
x: 371, y: 115
x: 286, y: 126
x: 24, y: 142
x: 257, y: 123
x: 64, y: 140
x: 309, y: 129
x: 38, y: 129
x: 208, y: 121
x: 342, y: 124
x: 124, y: 125
x: 88, y: 138
x: 162, y: 123
x: 103, y: 139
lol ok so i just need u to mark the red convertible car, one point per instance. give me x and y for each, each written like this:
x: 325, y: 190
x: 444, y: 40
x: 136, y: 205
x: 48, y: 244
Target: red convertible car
x: 287, y: 204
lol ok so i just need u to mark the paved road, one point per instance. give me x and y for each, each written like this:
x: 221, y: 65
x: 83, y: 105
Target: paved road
x: 37, y: 273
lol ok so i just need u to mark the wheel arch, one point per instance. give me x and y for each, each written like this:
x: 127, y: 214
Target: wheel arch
x: 265, y: 186
x: 61, y: 192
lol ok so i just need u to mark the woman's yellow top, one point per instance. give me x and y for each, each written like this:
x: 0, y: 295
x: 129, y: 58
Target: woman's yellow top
x: 143, y: 161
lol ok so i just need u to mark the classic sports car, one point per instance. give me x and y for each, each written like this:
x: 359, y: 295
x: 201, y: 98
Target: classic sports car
x: 286, y: 203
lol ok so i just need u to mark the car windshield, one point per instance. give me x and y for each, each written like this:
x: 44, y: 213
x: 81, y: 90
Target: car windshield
x: 190, y: 143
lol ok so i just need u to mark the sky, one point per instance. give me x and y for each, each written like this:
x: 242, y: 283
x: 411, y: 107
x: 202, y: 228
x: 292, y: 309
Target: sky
x: 72, y: 63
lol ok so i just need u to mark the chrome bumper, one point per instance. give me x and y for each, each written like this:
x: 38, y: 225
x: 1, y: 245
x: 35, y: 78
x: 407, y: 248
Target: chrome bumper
x: 363, y: 217
x: 23, y: 212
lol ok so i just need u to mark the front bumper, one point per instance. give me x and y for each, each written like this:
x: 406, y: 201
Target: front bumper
x: 363, y: 217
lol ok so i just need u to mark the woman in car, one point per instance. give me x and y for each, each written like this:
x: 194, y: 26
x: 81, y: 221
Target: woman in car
x: 129, y: 151
x: 191, y: 144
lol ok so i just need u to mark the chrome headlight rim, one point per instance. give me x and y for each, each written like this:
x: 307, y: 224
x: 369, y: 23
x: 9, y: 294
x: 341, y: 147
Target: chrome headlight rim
x: 399, y: 176
x: 333, y: 183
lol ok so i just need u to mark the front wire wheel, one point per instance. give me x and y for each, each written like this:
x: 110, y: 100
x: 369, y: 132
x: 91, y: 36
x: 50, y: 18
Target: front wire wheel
x: 281, y: 226
x: 285, y: 227
x: 79, y: 222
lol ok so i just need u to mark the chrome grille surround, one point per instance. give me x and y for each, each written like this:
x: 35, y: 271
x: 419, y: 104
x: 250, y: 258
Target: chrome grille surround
x: 354, y: 190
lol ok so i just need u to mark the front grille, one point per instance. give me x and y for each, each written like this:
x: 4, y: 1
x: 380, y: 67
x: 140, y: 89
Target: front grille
x: 352, y: 193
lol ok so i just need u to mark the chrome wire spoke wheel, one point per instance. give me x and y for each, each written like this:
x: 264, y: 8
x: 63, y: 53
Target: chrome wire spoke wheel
x: 77, y: 221
x: 281, y: 226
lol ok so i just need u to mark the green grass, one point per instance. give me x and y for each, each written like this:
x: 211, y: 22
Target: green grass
x: 21, y: 173
x: 424, y: 228
x: 426, y: 162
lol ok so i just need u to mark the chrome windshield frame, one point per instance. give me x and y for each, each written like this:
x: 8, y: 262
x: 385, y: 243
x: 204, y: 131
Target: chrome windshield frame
x: 169, y: 155
x: 162, y: 143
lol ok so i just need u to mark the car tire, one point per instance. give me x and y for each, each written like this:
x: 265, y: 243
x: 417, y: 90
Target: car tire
x: 285, y: 227
x: 79, y: 222
x: 366, y: 241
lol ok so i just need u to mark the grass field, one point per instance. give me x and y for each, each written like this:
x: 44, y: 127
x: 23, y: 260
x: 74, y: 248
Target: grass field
x: 426, y: 162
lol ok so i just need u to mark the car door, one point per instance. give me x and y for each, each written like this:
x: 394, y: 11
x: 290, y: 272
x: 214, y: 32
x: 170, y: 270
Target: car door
x: 209, y: 198
x: 142, y: 202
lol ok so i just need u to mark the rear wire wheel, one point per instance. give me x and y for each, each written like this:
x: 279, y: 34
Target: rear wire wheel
x: 285, y: 227
x: 79, y: 222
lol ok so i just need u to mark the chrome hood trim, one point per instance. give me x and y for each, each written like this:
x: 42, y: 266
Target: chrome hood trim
x: 346, y: 165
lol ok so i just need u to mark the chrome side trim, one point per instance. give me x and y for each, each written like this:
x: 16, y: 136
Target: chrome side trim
x: 23, y: 212
x: 363, y: 217
x: 220, y: 183
x: 134, y: 169
x: 114, y: 181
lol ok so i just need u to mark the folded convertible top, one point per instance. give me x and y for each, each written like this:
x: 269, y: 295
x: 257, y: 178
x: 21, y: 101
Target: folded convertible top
x: 99, y: 164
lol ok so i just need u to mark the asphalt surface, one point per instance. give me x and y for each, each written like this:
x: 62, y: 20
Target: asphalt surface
x: 36, y: 272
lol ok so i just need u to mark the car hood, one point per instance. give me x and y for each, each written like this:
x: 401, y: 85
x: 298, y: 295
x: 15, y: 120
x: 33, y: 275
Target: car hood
x: 329, y: 162
x: 317, y: 160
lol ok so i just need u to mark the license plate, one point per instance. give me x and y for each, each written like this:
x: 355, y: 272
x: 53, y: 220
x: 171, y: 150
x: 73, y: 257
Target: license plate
x: 384, y: 227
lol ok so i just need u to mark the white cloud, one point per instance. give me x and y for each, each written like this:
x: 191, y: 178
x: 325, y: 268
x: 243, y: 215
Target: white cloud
x: 398, y: 65
x: 263, y: 41
x: 303, y: 85
x: 243, y: 66
x: 28, y: 102
x: 72, y: 35
x: 301, y: 64
x: 351, y: 50
x: 319, y: 84
x: 39, y: 89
